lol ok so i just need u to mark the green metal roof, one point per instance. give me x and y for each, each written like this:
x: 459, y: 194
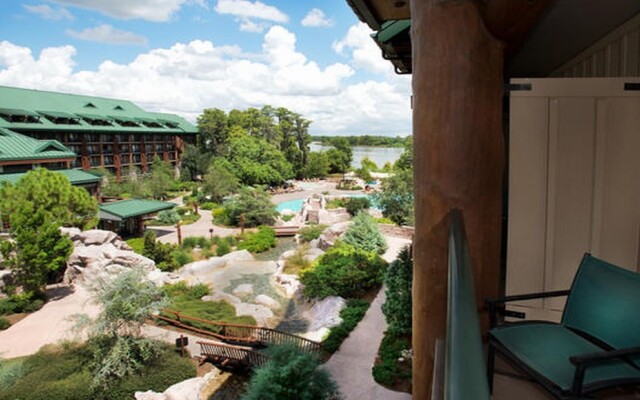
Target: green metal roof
x: 391, y: 29
x: 75, y: 176
x: 26, y: 102
x: 17, y: 147
x: 133, y: 208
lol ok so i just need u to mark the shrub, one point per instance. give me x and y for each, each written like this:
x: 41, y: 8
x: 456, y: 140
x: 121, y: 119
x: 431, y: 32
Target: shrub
x: 137, y: 244
x: 291, y: 375
x: 356, y: 204
x: 365, y: 234
x: 23, y: 302
x: 388, y: 368
x: 4, y: 323
x: 351, y: 315
x: 209, y: 205
x: 255, y: 205
x: 168, y: 217
x: 223, y: 248
x: 220, y: 311
x: 287, y: 217
x: 196, y: 241
x: 260, y: 241
x: 338, y: 202
x: 297, y: 261
x: 160, y: 253
x: 343, y: 271
x: 397, y: 307
x: 311, y: 232
x: 181, y: 257
x: 220, y: 216
x: 182, y: 291
x: 384, y: 220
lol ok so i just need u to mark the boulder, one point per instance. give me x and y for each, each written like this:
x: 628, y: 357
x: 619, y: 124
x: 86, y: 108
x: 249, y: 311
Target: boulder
x: 191, y: 389
x: 243, y: 290
x: 240, y: 255
x: 290, y: 284
x: 202, y: 267
x: 325, y: 313
x: 97, y: 237
x: 332, y: 233
x: 267, y: 301
x: 73, y: 233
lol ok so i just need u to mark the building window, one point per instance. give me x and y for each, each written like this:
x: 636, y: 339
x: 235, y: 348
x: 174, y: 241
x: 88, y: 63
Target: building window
x: 94, y: 161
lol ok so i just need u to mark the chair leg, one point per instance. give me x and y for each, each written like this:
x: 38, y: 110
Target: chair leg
x: 491, y: 355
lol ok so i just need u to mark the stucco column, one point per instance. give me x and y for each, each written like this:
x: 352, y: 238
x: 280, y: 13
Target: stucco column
x: 459, y: 160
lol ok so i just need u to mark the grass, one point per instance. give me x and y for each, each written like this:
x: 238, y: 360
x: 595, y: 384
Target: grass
x: 297, y: 261
x: 388, y: 371
x: 351, y: 315
x: 137, y: 244
x: 64, y: 373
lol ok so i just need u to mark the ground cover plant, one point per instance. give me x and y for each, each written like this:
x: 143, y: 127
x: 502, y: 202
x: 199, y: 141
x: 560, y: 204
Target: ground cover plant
x: 351, y: 315
x: 297, y: 261
x: 311, y: 232
x: 66, y: 372
x: 257, y: 242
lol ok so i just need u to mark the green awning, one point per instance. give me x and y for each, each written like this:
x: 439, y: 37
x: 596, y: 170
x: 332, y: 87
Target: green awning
x: 132, y: 208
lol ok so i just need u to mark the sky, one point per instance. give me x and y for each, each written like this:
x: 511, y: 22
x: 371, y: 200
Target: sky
x: 313, y: 57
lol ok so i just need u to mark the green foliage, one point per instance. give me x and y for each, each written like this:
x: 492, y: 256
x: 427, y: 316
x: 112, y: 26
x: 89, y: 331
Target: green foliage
x: 311, y: 232
x: 220, y: 180
x: 65, y: 373
x: 338, y: 202
x: 356, y: 204
x: 291, y: 375
x: 339, y: 157
x: 168, y: 217
x: 254, y: 204
x: 384, y: 220
x: 209, y: 205
x: 23, y: 302
x: 257, y: 162
x: 223, y: 248
x: 161, y: 179
x: 297, y: 261
x: 396, y: 197
x: 389, y: 369
x: 219, y: 311
x: 183, y: 291
x: 213, y: 131
x: 351, y: 315
x: 364, y: 234
x: 317, y: 166
x: 50, y: 192
x: 4, y: 323
x: 160, y: 253
x: 343, y: 271
x: 193, y: 163
x: 367, y: 140
x: 397, y: 307
x: 137, y: 244
x: 259, y: 241
x: 348, y: 184
x: 369, y: 164
x: 287, y: 218
x: 179, y: 258
x: 195, y: 241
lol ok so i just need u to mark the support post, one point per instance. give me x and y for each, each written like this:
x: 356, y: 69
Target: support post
x: 459, y: 161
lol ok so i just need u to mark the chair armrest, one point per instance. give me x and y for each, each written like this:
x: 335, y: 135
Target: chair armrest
x: 496, y: 305
x: 598, y: 356
x: 583, y: 361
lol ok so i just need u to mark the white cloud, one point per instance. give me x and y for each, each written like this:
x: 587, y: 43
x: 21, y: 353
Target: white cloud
x: 46, y: 12
x: 251, y: 9
x: 364, y: 52
x: 188, y: 77
x: 108, y: 34
x: 248, y: 25
x: 316, y: 19
x: 151, y: 10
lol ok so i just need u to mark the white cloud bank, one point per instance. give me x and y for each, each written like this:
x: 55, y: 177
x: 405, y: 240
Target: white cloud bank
x: 365, y: 53
x: 247, y: 12
x: 150, y: 10
x: 108, y: 34
x: 186, y: 78
x: 47, y: 12
x: 316, y: 19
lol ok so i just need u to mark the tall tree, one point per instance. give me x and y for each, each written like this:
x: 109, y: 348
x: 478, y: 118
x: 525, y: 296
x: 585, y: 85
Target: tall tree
x: 160, y: 179
x: 219, y: 180
x: 193, y: 163
x: 213, y: 130
x: 36, y: 207
x: 255, y: 161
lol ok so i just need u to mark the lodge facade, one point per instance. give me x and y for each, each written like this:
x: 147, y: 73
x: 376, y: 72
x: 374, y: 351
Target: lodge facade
x: 103, y: 133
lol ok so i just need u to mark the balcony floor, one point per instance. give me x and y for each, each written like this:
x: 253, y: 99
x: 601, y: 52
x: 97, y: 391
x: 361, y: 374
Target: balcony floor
x: 510, y: 388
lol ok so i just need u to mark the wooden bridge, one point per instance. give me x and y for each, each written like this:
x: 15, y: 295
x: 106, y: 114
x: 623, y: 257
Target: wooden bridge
x: 245, y: 335
x: 226, y: 356
x: 285, y: 230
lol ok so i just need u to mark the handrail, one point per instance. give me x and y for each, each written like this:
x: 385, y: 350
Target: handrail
x: 465, y: 376
x: 246, y: 334
x: 248, y: 357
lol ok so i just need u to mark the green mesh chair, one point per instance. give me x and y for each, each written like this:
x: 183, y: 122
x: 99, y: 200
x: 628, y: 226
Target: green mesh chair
x: 595, y: 346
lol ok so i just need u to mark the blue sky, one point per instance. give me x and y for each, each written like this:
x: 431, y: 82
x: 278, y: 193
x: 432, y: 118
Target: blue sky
x: 183, y: 56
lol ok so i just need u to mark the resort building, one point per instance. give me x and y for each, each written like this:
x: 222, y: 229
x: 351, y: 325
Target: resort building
x: 100, y: 133
x: 525, y: 123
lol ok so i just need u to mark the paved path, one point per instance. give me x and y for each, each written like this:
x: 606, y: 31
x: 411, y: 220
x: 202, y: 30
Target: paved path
x: 351, y: 365
x: 50, y: 324
x: 168, y: 234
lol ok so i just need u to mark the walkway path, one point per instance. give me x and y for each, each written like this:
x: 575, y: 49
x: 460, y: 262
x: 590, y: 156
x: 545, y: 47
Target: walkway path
x: 168, y: 234
x: 351, y: 365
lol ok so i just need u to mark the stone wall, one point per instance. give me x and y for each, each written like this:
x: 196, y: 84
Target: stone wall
x: 404, y: 232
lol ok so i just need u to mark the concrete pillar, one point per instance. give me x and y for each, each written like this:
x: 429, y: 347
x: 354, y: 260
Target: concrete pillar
x: 459, y: 160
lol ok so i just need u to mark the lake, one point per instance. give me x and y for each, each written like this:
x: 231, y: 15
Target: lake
x: 379, y: 155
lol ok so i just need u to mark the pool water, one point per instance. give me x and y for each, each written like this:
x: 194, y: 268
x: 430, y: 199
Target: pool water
x: 296, y: 205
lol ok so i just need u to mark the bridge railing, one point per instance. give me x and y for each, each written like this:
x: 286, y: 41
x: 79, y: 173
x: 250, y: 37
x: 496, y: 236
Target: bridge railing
x: 220, y: 352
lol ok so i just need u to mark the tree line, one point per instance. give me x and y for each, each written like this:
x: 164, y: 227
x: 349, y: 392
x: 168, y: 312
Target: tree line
x: 365, y: 140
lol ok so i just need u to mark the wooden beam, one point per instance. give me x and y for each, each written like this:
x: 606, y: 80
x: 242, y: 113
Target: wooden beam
x: 459, y: 160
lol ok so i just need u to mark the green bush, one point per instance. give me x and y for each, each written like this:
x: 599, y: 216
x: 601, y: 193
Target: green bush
x: 343, y: 271
x: 287, y: 217
x: 311, y: 232
x: 291, y: 375
x: 183, y: 291
x: 218, y: 311
x: 389, y: 369
x: 351, y: 315
x: 196, y: 241
x: 254, y: 205
x: 397, y: 307
x: 384, y: 220
x: 223, y: 248
x: 65, y: 373
x: 259, y: 241
x: 23, y: 302
x: 338, y: 202
x: 181, y: 257
x: 209, y: 205
x: 356, y: 204
x: 220, y: 216
x: 160, y: 253
x: 4, y: 323
x: 168, y: 217
x: 365, y: 234
x: 297, y: 261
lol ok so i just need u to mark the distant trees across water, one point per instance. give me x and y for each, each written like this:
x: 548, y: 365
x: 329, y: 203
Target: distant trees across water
x: 365, y: 140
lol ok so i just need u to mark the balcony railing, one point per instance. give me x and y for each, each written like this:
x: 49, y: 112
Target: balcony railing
x: 464, y: 363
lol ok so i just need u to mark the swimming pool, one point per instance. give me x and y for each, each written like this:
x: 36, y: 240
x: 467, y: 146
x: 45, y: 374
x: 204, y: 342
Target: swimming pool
x: 296, y: 205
